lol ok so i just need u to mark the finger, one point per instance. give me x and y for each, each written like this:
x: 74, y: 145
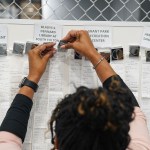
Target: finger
x: 44, y: 52
x: 70, y: 35
x: 67, y: 46
x: 39, y: 48
x: 42, y: 47
x: 50, y: 44
x: 49, y: 55
x: 34, y: 46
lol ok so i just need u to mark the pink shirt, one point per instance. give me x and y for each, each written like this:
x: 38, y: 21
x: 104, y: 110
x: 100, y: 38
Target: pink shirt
x: 140, y: 138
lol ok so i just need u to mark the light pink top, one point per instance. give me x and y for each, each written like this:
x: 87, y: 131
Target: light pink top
x: 140, y: 138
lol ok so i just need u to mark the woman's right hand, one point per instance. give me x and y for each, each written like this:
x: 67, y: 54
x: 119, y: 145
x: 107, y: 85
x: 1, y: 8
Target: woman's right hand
x: 80, y: 41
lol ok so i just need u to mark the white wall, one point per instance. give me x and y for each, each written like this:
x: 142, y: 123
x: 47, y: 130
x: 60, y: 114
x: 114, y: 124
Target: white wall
x: 124, y: 34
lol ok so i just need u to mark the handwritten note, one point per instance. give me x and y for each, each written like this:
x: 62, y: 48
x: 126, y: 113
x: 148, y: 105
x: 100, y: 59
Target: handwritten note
x: 146, y: 38
x: 100, y: 36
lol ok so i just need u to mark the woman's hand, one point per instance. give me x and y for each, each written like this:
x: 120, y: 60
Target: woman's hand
x: 37, y: 62
x: 81, y: 42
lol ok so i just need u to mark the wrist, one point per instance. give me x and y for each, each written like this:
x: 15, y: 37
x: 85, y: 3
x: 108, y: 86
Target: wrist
x: 34, y: 79
x: 94, y: 57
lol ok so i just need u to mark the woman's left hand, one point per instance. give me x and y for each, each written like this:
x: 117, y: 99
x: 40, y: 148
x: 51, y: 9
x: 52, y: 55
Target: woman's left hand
x: 38, y: 62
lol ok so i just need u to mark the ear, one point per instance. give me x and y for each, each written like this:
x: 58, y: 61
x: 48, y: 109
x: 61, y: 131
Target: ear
x: 56, y: 142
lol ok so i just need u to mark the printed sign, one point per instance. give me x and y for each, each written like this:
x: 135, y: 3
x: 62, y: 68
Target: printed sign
x: 3, y: 34
x: 47, y: 33
x: 146, y: 38
x: 100, y: 36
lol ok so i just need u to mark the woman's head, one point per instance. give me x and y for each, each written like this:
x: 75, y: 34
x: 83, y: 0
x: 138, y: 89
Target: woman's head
x: 93, y: 119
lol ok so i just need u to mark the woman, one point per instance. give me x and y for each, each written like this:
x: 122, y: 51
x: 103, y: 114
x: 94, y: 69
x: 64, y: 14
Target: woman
x: 107, y: 118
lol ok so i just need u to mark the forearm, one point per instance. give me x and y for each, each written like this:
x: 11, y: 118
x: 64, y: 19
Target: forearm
x: 17, y: 116
x: 106, y: 74
x: 103, y: 70
x: 107, y: 85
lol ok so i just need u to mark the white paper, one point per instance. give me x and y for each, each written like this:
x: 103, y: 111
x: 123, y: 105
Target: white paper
x: 27, y: 146
x: 138, y: 98
x: 145, y: 81
x: 16, y: 69
x: 25, y: 70
x: 39, y: 135
x: 3, y: 110
x: 56, y: 72
x: 145, y: 103
x: 28, y: 138
x: 147, y: 114
x: 146, y: 110
x: 132, y: 73
x: 146, y: 38
x: 53, y: 99
x: 41, y: 146
x: 40, y: 121
x: 99, y: 82
x: 100, y: 36
x: 5, y: 75
x: 136, y: 94
x: 41, y: 104
x: 47, y: 33
x: 74, y: 74
x: 3, y: 34
x: 119, y: 68
x: 41, y: 97
x: 88, y: 75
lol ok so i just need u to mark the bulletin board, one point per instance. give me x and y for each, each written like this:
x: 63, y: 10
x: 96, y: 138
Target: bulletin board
x: 64, y: 73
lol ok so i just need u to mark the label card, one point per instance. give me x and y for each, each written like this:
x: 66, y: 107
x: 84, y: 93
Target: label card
x: 3, y: 34
x: 146, y: 38
x: 47, y: 33
x: 100, y: 36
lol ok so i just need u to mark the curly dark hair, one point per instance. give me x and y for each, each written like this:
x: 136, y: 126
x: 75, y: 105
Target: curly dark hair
x: 93, y: 119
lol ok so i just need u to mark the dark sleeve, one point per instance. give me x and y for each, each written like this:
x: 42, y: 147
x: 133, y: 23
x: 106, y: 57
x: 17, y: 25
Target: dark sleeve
x: 108, y: 81
x: 16, y: 119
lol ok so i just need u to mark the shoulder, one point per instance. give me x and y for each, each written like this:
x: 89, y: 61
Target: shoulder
x: 140, y: 138
x: 10, y: 141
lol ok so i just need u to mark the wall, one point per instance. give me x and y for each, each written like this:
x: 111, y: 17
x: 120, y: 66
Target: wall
x: 12, y: 68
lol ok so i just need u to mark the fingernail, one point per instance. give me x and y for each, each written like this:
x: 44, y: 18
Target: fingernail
x: 63, y: 46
